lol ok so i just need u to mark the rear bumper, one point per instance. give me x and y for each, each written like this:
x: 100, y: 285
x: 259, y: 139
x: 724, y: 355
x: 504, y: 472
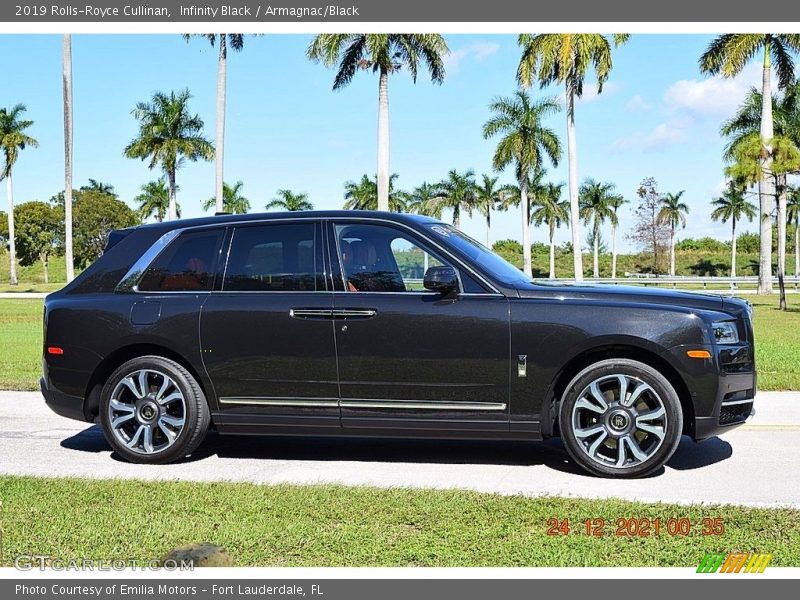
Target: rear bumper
x: 63, y: 404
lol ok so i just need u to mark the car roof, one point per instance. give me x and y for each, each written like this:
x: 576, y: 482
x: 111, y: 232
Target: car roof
x: 222, y: 219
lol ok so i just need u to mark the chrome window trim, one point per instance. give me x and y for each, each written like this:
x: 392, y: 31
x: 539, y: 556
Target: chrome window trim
x: 152, y: 253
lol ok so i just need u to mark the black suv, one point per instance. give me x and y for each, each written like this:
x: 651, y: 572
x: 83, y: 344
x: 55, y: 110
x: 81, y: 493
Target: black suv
x: 374, y: 324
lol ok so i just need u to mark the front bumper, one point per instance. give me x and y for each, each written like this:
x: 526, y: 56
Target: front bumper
x: 63, y: 404
x: 722, y: 389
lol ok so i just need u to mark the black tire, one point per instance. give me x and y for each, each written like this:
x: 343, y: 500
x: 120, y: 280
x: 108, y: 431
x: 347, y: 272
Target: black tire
x: 606, y: 374
x: 195, y: 412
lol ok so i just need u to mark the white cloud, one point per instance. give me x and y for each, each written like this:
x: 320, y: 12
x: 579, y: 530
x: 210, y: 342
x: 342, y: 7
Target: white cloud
x: 590, y: 92
x: 637, y: 104
x: 479, y: 51
x: 668, y: 133
x: 482, y: 50
x: 452, y: 61
x: 715, y: 96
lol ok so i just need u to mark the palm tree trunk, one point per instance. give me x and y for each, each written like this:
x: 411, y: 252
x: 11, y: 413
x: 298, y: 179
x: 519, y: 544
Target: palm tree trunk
x: 383, y: 140
x: 797, y: 247
x: 219, y: 155
x: 765, y: 191
x: 574, y: 217
x: 733, y: 249
x: 173, y: 202
x: 488, y: 224
x: 596, y: 261
x: 456, y: 216
x: 552, y: 252
x: 672, y: 252
x: 44, y: 269
x: 526, y: 225
x: 782, y: 201
x: 67, y: 85
x: 613, y: 251
x: 12, y: 245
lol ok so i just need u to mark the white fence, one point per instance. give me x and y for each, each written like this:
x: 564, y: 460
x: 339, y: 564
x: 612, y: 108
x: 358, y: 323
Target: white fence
x: 791, y: 282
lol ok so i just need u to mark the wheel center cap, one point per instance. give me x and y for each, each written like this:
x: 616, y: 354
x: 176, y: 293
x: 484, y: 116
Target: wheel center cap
x: 147, y: 411
x: 618, y: 421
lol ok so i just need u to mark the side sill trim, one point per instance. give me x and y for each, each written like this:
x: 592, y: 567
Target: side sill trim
x: 259, y: 401
x: 433, y: 405
x: 334, y: 403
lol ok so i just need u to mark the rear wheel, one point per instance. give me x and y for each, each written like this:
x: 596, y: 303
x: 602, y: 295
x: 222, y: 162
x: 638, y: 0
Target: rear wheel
x: 620, y: 418
x: 152, y: 410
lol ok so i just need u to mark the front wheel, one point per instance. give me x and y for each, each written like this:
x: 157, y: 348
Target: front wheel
x: 152, y: 410
x: 620, y: 418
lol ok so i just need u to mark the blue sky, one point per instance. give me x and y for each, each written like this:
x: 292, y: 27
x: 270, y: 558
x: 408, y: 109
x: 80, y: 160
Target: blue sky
x: 657, y: 116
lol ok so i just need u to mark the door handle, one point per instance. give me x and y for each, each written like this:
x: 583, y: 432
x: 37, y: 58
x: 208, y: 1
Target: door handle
x: 354, y: 313
x: 338, y: 313
x: 311, y: 313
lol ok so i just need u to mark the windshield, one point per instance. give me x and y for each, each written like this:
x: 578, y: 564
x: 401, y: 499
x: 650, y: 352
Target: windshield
x: 480, y: 255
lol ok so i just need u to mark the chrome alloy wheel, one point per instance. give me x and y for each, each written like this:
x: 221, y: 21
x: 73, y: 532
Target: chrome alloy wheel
x: 619, y: 421
x: 147, y: 411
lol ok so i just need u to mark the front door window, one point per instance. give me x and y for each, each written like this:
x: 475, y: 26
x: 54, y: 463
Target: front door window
x: 376, y: 258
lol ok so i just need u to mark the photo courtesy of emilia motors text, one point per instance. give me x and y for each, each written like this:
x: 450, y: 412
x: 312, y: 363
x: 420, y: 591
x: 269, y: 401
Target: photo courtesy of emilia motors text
x: 389, y: 300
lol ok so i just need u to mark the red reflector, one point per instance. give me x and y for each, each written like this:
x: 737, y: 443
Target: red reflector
x: 55, y: 350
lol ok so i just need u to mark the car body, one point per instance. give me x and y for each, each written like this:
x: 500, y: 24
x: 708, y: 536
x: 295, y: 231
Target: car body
x: 365, y: 323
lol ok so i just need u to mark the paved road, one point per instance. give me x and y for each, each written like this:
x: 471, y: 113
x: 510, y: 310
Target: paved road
x: 754, y: 465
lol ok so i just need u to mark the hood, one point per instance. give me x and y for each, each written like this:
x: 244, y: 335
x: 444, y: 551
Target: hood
x: 622, y: 293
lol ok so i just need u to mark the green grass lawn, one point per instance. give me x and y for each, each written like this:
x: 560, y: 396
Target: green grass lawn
x: 317, y: 525
x: 777, y: 343
x: 20, y: 344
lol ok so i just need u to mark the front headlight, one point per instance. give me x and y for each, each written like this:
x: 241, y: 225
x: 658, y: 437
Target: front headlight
x: 725, y: 332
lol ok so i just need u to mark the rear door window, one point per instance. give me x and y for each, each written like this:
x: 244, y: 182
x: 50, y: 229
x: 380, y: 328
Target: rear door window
x: 186, y: 265
x: 279, y: 257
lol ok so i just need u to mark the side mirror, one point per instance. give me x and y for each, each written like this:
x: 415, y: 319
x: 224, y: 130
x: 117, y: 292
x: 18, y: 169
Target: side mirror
x: 441, y: 279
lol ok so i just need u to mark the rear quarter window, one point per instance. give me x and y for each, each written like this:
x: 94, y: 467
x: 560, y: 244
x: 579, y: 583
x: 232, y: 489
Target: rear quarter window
x: 186, y: 265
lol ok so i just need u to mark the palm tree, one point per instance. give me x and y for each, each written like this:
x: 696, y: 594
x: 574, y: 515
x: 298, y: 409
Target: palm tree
x: 488, y: 197
x: 727, y: 55
x: 615, y: 203
x: 458, y: 193
x: 99, y: 186
x: 289, y: 201
x: 550, y: 209
x: 733, y: 206
x: 153, y: 200
x: 364, y: 195
x: 168, y: 134
x: 382, y: 53
x: 526, y: 142
x: 236, y: 42
x: 565, y: 59
x: 793, y: 214
x: 66, y: 78
x: 595, y: 208
x: 743, y: 131
x: 234, y: 202
x: 673, y: 213
x: 421, y: 200
x: 13, y: 139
